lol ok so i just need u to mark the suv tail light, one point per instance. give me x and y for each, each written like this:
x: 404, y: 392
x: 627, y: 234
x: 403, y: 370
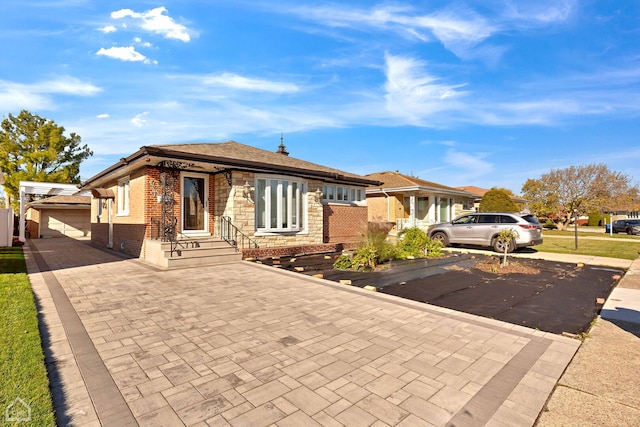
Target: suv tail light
x: 528, y: 226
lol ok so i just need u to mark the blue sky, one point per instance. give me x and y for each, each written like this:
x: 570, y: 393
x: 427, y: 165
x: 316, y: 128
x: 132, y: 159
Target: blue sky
x: 484, y: 93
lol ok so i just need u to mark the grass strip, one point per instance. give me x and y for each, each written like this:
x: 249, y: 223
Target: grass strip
x: 604, y: 248
x: 22, y: 369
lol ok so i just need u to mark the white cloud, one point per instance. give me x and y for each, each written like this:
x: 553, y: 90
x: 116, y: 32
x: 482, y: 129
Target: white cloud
x: 108, y: 29
x: 538, y: 12
x: 38, y: 96
x: 102, y: 116
x: 414, y: 95
x: 139, y: 119
x: 245, y: 83
x: 128, y: 53
x: 457, y: 29
x: 66, y: 85
x: 157, y: 22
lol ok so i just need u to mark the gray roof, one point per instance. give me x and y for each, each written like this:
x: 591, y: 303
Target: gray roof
x: 233, y: 155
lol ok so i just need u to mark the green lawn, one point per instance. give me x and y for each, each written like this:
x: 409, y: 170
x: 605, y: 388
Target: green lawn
x: 22, y: 370
x: 605, y: 248
x: 596, y: 232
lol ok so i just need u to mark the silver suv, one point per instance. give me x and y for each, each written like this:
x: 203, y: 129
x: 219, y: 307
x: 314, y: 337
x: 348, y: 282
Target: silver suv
x: 482, y: 229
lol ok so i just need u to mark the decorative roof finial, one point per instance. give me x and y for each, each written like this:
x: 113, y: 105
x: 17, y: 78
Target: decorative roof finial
x: 281, y: 148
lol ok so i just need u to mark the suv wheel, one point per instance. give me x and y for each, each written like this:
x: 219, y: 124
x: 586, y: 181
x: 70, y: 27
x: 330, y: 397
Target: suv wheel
x: 500, y: 244
x: 439, y: 236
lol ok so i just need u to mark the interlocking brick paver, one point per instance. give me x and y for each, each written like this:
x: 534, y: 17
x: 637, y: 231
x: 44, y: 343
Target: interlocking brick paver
x: 204, y: 410
x: 307, y: 400
x: 216, y: 386
x: 147, y: 404
x: 385, y: 385
x: 246, y: 345
x: 266, y: 392
x: 298, y: 419
x: 163, y: 417
x: 382, y: 410
x: 352, y: 392
x: 182, y: 396
x: 156, y: 385
x: 356, y: 417
x: 264, y: 415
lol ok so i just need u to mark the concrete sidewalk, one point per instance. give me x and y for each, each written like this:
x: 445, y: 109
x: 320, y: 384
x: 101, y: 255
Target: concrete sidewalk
x: 600, y: 386
x: 243, y: 344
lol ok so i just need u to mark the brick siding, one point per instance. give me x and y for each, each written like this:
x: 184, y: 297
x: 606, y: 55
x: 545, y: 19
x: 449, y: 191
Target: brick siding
x: 344, y: 223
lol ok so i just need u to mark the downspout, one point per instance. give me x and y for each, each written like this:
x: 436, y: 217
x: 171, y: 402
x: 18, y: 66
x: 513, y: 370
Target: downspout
x: 388, y: 205
x: 109, y: 213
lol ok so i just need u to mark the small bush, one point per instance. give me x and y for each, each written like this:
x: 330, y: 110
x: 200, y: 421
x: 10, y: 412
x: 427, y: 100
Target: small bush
x: 364, y: 258
x: 343, y: 262
x: 433, y: 249
x: 413, y: 242
x: 377, y: 238
x: 596, y: 219
x: 550, y: 225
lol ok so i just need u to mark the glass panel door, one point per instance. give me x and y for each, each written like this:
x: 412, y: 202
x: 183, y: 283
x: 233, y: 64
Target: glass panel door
x: 193, y: 203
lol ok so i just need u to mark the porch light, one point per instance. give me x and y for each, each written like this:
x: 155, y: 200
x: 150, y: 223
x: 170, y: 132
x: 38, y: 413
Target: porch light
x: 318, y: 195
x: 246, y: 191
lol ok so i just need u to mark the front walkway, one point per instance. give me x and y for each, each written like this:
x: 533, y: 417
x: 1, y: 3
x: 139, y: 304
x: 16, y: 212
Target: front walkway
x: 243, y: 344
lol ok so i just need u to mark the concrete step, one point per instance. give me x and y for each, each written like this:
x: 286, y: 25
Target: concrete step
x: 191, y: 252
x: 197, y: 243
x: 195, y: 261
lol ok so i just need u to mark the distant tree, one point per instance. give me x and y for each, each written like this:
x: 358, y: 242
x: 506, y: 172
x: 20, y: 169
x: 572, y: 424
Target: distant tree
x: 563, y: 194
x: 497, y: 200
x: 35, y: 149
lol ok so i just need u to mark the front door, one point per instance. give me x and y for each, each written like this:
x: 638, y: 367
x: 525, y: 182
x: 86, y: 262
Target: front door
x: 194, y: 205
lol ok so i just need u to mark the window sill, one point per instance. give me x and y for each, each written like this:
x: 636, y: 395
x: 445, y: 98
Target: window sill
x: 264, y: 233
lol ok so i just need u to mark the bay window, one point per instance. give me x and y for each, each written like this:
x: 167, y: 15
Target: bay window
x: 279, y: 204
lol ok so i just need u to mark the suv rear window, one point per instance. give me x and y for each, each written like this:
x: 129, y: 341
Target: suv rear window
x: 530, y: 218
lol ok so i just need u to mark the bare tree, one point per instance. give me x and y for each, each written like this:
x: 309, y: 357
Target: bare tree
x: 563, y: 194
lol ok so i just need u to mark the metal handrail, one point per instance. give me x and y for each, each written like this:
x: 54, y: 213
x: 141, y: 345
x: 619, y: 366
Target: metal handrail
x: 230, y: 233
x: 165, y: 232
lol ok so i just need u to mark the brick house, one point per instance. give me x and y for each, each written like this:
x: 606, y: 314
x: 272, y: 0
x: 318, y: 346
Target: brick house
x: 406, y: 201
x: 263, y: 203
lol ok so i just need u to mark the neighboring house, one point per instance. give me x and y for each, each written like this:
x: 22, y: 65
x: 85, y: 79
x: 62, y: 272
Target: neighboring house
x: 266, y: 203
x: 59, y: 216
x: 521, y: 203
x: 408, y: 201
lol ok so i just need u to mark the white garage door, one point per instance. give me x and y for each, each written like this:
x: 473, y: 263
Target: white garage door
x: 65, y: 222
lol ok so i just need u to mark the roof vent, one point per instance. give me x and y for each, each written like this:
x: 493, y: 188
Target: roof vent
x: 281, y: 148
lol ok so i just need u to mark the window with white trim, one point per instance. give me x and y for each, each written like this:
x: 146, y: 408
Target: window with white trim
x: 338, y: 193
x: 123, y: 196
x: 279, y: 205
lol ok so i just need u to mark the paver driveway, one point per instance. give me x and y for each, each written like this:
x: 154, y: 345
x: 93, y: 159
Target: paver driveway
x: 243, y: 344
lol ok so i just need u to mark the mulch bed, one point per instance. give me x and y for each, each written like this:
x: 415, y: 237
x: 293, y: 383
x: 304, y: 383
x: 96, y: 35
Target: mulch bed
x: 549, y: 296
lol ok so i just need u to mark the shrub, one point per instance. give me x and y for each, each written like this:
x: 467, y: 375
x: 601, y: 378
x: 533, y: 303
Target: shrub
x: 343, y: 262
x: 496, y: 200
x: 597, y: 219
x: 433, y: 249
x: 413, y: 242
x: 377, y: 238
x: 364, y: 258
